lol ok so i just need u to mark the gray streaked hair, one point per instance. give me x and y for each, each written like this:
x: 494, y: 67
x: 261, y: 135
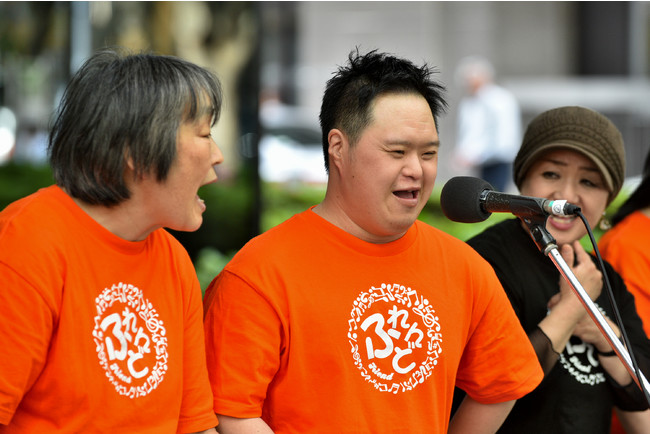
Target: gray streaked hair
x: 118, y: 106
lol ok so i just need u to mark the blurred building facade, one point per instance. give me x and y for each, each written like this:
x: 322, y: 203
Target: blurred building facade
x: 548, y: 53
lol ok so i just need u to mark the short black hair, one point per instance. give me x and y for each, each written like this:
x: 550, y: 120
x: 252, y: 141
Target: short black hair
x: 349, y: 94
x: 121, y: 105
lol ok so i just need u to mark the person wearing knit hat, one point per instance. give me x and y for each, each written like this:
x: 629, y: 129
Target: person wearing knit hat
x: 580, y: 129
x: 575, y: 154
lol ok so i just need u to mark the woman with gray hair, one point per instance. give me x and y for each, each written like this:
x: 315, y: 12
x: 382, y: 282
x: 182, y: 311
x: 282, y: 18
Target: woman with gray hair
x: 101, y: 315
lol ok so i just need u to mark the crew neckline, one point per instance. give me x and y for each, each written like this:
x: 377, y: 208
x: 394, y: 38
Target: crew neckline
x: 337, y: 234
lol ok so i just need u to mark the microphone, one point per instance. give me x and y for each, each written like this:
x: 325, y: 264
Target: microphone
x: 469, y: 200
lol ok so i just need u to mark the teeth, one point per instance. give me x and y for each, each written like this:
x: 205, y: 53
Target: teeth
x: 407, y: 194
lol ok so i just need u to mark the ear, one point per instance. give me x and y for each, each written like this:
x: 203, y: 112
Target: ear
x: 129, y: 161
x: 129, y: 168
x: 338, y: 146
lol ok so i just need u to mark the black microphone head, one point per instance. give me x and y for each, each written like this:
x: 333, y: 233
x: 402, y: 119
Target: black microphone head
x: 460, y: 199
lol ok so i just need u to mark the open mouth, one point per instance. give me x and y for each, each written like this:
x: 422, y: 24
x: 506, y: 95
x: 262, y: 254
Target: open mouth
x: 562, y: 222
x: 407, y: 194
x: 569, y: 218
x: 201, y: 203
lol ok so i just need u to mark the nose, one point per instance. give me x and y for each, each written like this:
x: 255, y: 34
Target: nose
x: 217, y: 156
x: 568, y: 192
x: 412, y: 167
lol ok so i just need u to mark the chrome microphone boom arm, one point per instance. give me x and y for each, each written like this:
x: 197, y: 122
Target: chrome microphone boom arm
x: 547, y: 245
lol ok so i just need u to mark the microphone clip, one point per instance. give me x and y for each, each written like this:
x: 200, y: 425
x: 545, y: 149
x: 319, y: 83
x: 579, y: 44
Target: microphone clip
x: 537, y: 228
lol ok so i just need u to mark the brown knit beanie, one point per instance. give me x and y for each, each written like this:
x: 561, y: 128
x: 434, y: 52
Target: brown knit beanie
x: 579, y: 129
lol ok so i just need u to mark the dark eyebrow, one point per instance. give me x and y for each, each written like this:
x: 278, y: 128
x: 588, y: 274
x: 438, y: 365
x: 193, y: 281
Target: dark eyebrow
x: 550, y: 160
x: 592, y: 168
x: 401, y: 142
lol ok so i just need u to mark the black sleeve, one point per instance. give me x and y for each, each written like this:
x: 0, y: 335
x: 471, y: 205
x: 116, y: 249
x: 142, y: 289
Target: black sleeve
x: 630, y: 397
x: 544, y: 349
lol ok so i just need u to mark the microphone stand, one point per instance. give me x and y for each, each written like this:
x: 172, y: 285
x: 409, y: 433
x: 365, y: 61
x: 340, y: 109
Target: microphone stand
x: 547, y: 245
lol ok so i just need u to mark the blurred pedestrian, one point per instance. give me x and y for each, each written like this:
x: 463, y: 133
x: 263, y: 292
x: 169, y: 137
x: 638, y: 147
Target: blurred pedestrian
x: 489, y: 124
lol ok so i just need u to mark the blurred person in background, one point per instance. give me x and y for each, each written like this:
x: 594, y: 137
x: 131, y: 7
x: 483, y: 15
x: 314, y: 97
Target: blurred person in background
x: 574, y: 154
x: 100, y: 307
x: 353, y: 315
x: 489, y: 124
x: 627, y: 247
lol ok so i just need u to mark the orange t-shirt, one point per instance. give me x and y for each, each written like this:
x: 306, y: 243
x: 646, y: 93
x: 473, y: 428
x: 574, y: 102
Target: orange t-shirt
x: 315, y: 330
x: 98, y: 334
x: 626, y: 248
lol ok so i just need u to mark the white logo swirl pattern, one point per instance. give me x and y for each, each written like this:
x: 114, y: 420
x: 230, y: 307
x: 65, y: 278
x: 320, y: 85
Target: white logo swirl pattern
x: 395, y: 337
x: 130, y: 340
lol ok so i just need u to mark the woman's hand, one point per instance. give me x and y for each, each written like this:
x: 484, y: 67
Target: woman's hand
x: 588, y: 331
x: 565, y: 308
x: 584, y: 269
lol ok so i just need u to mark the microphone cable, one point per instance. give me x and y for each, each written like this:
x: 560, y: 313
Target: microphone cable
x: 617, y: 315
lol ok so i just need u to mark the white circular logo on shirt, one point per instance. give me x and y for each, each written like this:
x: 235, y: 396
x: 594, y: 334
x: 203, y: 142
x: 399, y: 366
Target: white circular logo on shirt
x: 130, y: 340
x: 581, y: 360
x: 395, y: 337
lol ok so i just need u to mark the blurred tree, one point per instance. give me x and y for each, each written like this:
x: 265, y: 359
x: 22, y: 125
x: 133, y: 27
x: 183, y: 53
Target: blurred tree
x: 35, y: 59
